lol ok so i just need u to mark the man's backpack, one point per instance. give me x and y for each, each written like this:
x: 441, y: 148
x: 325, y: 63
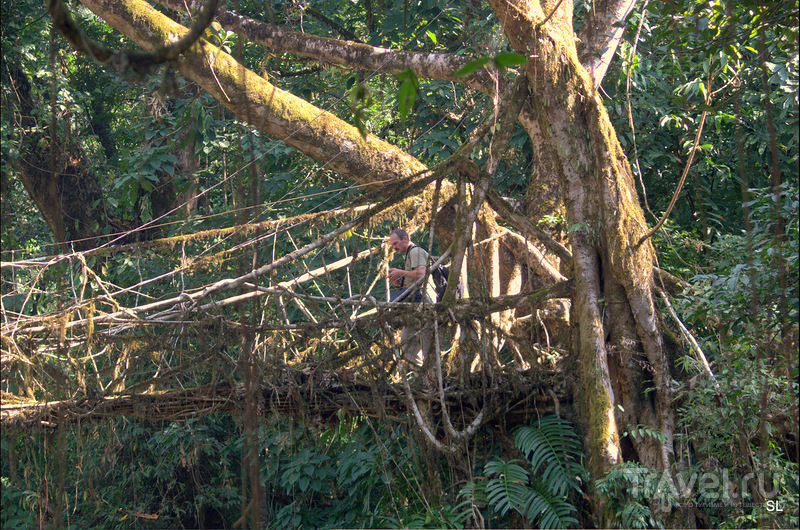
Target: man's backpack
x: 440, y: 276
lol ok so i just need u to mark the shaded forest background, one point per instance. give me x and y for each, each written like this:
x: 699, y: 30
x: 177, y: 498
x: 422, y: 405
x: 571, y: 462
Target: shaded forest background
x: 278, y: 400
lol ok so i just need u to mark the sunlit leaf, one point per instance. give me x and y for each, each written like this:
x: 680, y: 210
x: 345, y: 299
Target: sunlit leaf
x: 472, y: 67
x: 508, y: 59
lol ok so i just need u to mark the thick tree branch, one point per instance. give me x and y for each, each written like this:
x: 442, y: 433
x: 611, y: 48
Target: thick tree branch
x: 522, y: 224
x: 317, y: 133
x: 601, y: 34
x: 345, y: 53
x: 129, y: 58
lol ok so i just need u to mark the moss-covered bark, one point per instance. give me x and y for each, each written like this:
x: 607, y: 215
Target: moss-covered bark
x: 56, y: 176
x: 606, y: 222
x: 315, y: 132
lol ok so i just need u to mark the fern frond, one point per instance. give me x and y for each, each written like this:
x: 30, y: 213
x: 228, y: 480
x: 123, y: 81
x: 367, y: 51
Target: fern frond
x: 509, y: 490
x: 475, y: 493
x: 548, y: 510
x: 636, y: 515
x: 553, y: 448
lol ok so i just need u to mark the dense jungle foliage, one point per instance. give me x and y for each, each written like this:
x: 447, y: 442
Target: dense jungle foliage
x: 164, y: 155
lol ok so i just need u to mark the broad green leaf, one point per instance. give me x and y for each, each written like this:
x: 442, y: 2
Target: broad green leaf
x: 507, y: 59
x: 472, y: 67
x: 406, y: 98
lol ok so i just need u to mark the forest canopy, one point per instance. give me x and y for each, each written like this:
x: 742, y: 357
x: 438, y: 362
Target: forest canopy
x: 198, y: 324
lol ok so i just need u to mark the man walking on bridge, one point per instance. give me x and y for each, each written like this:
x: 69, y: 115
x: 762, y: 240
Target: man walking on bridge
x: 416, y: 336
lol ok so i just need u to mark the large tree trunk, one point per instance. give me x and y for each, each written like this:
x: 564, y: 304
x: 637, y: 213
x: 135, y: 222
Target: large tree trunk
x: 613, y: 308
x: 55, y: 175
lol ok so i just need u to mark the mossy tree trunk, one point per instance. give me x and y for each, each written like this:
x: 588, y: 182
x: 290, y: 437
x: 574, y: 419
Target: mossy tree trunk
x: 59, y: 181
x: 614, y: 312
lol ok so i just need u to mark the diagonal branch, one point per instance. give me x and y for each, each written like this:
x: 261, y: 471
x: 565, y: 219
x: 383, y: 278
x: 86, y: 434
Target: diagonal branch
x: 345, y: 53
x: 318, y: 134
x: 601, y: 34
x: 315, y: 132
x: 129, y: 58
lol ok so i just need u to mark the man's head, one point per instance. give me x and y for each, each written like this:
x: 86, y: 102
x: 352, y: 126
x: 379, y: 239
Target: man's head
x: 399, y: 240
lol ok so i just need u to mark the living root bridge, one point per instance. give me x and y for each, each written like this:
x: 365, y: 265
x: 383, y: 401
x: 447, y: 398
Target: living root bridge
x: 304, y: 393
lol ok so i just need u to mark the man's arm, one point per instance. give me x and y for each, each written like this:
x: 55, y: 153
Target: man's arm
x: 395, y: 275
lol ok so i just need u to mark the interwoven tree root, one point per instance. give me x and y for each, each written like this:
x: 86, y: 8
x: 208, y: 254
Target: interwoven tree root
x: 318, y: 396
